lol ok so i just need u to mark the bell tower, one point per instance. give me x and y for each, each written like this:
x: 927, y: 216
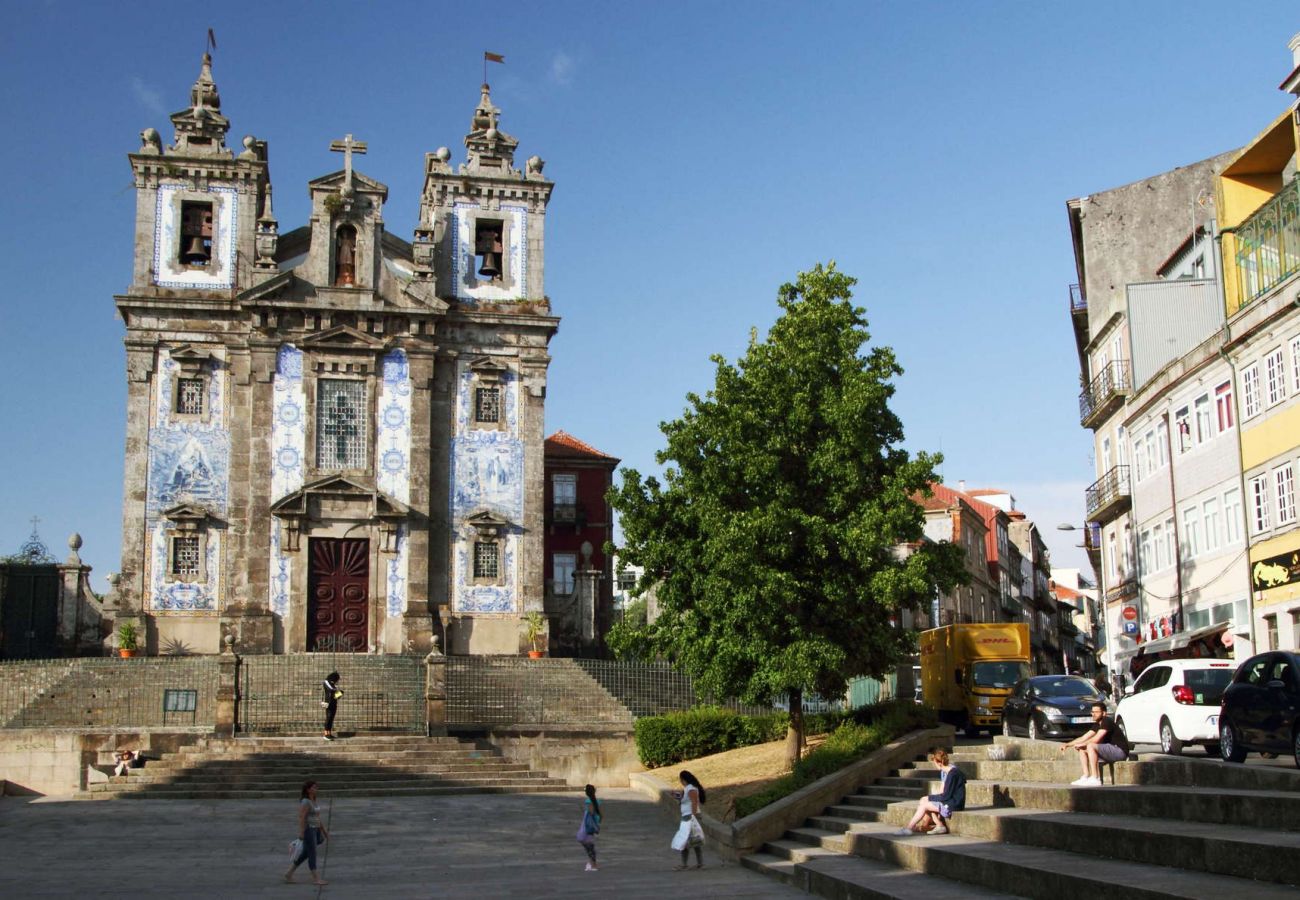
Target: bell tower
x: 482, y: 225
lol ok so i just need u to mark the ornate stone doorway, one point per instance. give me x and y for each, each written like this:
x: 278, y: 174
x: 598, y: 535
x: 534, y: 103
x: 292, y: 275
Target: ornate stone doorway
x: 338, y: 595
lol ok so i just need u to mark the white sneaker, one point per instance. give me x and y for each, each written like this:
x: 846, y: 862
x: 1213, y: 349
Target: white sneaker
x: 1081, y: 781
x: 939, y: 830
x: 904, y: 832
x: 1090, y: 782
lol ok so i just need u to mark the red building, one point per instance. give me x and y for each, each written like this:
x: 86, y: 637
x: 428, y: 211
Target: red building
x: 579, y: 584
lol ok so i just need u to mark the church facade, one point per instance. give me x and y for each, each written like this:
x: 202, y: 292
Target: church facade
x: 334, y: 435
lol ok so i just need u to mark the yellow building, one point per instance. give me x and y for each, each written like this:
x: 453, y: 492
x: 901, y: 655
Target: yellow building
x: 1258, y: 202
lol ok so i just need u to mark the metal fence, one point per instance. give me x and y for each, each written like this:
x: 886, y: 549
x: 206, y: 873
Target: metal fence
x: 282, y: 694
x: 124, y: 693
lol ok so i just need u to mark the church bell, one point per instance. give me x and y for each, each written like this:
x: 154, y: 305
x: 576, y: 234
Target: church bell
x: 195, y: 253
x: 489, y: 247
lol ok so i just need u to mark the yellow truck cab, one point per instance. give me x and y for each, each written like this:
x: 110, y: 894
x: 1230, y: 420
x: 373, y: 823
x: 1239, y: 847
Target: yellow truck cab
x: 967, y: 671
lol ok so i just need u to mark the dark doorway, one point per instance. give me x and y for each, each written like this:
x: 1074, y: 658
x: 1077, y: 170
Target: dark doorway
x: 338, y: 596
x: 29, y: 612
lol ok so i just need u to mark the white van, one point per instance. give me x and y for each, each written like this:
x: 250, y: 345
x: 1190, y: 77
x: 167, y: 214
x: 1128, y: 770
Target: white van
x: 1176, y: 702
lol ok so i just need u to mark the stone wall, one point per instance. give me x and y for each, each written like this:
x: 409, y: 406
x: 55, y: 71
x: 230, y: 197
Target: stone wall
x: 55, y: 761
x: 580, y: 756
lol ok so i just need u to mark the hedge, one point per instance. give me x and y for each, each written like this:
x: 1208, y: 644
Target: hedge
x: 861, y: 732
x: 704, y: 730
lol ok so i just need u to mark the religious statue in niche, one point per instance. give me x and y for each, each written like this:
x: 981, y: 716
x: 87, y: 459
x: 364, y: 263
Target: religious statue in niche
x: 345, y: 255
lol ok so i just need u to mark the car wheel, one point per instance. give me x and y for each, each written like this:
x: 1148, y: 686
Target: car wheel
x: 1034, y: 734
x: 1006, y: 727
x: 1169, y: 742
x: 1229, y: 750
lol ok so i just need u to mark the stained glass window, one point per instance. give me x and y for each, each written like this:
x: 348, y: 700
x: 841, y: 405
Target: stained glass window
x: 487, y: 404
x: 486, y: 559
x: 340, y: 424
x: 189, y: 396
x: 185, y: 557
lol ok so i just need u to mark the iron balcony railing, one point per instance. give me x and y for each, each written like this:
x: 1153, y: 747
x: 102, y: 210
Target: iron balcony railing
x: 1108, y: 494
x: 1268, y: 244
x: 1078, y: 302
x: 1112, y: 383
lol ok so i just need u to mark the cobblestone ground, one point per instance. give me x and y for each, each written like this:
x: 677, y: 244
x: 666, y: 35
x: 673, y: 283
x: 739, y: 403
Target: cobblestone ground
x: 472, y: 847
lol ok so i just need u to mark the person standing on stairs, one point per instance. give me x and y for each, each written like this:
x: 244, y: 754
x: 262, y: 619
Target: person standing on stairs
x: 330, y: 701
x: 310, y: 833
x: 934, y: 811
x: 689, y: 833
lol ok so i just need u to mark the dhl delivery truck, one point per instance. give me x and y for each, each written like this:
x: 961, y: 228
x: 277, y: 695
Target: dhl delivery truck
x: 967, y: 671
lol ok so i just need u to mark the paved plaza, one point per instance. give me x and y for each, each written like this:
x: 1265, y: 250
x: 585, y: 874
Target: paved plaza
x: 466, y: 846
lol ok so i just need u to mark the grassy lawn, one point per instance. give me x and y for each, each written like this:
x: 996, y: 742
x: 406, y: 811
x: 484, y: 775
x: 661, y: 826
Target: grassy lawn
x: 735, y: 773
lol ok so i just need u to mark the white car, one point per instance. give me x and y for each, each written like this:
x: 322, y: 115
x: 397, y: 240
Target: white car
x: 1176, y: 702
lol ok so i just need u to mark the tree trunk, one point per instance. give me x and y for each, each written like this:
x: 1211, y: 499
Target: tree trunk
x: 794, y: 735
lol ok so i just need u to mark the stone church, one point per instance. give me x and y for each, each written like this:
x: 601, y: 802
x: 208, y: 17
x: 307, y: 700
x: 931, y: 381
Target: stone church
x: 334, y: 435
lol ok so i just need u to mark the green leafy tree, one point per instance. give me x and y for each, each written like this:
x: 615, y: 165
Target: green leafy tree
x: 779, y: 541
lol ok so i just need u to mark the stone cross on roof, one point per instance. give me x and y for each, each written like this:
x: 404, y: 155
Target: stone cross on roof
x: 347, y: 147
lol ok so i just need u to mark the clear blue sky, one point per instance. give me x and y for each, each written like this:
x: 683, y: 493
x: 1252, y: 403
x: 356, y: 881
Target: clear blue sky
x: 703, y: 154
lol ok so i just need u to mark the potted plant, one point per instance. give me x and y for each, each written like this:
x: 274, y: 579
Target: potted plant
x: 534, y: 625
x: 126, y: 639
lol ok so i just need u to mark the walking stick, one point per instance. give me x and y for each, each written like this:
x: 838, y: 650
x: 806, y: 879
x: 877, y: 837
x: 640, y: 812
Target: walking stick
x: 325, y: 857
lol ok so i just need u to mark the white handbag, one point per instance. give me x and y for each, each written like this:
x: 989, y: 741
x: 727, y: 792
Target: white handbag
x: 683, y: 835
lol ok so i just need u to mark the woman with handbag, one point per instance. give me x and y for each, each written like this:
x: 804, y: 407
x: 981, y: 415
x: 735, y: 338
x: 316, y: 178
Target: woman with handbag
x: 330, y: 695
x: 310, y: 833
x: 689, y: 833
x: 590, y: 827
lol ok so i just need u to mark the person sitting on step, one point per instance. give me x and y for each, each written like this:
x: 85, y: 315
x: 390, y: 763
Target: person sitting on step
x: 1105, y: 742
x: 934, y: 811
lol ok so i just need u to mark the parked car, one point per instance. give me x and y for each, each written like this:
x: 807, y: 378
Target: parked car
x: 1175, y: 703
x: 1261, y: 708
x: 1050, y: 706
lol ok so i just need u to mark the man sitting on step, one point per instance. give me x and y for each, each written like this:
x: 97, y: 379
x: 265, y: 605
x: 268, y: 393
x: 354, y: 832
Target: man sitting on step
x: 1105, y: 742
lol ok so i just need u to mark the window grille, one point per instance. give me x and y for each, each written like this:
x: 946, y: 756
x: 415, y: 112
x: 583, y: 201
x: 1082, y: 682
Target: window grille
x: 189, y: 396
x: 487, y: 405
x: 486, y: 559
x: 340, y: 424
x: 185, y: 557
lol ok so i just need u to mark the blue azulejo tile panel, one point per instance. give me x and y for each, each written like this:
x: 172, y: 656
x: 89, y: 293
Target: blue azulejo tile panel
x: 288, y: 461
x: 397, y: 573
x: 468, y: 286
x: 485, y: 598
x: 183, y: 596
x: 168, y: 270
x: 465, y: 402
x: 393, y: 463
x: 487, y: 475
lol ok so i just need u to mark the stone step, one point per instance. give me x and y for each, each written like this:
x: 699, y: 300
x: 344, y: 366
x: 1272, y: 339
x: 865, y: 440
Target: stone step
x: 840, y: 877
x: 1150, y: 769
x: 1258, y: 853
x: 319, y: 765
x: 529, y: 787
x: 1035, y: 871
x: 413, y: 756
x: 293, y: 781
x: 297, y: 776
x: 355, y: 788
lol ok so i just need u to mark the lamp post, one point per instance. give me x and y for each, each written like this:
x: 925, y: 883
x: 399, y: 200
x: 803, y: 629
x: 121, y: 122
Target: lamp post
x: 1100, y: 625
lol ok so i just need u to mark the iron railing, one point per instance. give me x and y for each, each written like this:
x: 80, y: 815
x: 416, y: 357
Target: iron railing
x: 1078, y: 302
x: 1268, y: 244
x: 283, y: 693
x: 1107, y: 491
x: 1114, y: 381
x: 105, y: 692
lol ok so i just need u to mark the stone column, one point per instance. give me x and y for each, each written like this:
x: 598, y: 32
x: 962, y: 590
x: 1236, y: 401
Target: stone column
x: 435, y: 692
x: 258, y: 623
x: 227, y: 691
x: 79, y: 615
x: 417, y: 620
x: 532, y: 412
x: 140, y: 359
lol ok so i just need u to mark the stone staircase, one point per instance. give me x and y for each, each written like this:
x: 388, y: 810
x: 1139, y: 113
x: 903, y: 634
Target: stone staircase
x: 364, y: 766
x: 507, y: 690
x: 1170, y: 828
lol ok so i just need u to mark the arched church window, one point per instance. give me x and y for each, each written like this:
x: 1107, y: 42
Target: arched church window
x: 345, y: 256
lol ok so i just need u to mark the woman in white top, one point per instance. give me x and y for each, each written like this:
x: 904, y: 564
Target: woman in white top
x: 691, y: 796
x: 310, y: 831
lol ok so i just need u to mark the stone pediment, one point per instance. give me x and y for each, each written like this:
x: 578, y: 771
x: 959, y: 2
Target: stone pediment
x: 187, y: 512
x: 378, y: 504
x: 344, y: 337
x: 191, y: 359
x: 487, y: 368
x: 359, y: 182
x: 487, y: 522
x: 281, y: 285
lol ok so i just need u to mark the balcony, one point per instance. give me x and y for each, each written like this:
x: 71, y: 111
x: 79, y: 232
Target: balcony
x: 1011, y: 604
x: 1092, y: 540
x: 1108, y: 496
x: 564, y: 512
x: 1078, y: 302
x: 1105, y: 392
x: 1268, y: 244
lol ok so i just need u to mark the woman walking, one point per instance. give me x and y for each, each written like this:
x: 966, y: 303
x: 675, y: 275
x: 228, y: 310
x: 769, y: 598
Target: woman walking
x: 590, y: 827
x: 330, y: 700
x: 934, y: 811
x: 310, y: 832
x: 689, y: 833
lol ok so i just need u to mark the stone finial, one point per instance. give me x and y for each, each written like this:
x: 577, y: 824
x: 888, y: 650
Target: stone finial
x: 74, y: 544
x: 150, y: 142
x: 250, y: 148
x: 443, y: 155
x: 201, y: 129
x: 586, y: 551
x: 491, y: 150
x: 203, y: 94
x: 535, y: 166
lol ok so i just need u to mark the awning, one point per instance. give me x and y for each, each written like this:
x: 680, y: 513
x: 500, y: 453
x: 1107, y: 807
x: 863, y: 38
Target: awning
x: 1177, y: 641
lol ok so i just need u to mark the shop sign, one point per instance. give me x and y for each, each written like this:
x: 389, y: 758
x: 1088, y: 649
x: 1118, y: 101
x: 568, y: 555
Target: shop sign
x: 1276, y: 571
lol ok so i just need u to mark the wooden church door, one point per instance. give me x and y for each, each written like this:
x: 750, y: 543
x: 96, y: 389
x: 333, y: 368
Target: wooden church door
x: 338, y: 595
